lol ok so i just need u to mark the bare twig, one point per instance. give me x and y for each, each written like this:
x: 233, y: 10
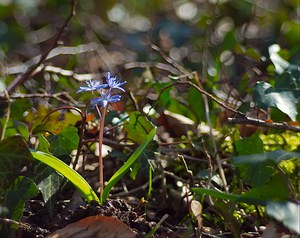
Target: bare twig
x: 33, y: 70
x: 63, y: 108
x: 57, y: 96
x: 60, y: 50
x: 71, y: 73
x: 142, y: 187
x: 212, y: 97
x: 160, y: 66
x: 8, y: 221
x: 133, y: 99
x: 172, y: 62
x: 207, y: 115
x: 262, y: 123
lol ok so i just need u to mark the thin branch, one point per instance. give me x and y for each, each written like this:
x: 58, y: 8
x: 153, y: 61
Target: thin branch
x: 60, y: 50
x: 63, y: 108
x: 8, y: 221
x: 160, y: 66
x: 212, y: 97
x: 34, y: 70
x: 134, y: 101
x: 142, y: 187
x: 57, y: 96
x: 207, y: 115
x: 7, y: 116
x: 71, y: 73
x: 172, y: 62
x: 262, y: 123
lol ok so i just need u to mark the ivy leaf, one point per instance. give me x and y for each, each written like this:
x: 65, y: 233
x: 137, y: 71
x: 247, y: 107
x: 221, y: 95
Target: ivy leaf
x: 50, y: 185
x: 15, y: 197
x: 138, y: 127
x: 65, y: 142
x: 265, y: 96
x: 14, y: 155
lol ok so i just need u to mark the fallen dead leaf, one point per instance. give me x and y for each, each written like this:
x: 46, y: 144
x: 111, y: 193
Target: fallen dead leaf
x: 95, y: 227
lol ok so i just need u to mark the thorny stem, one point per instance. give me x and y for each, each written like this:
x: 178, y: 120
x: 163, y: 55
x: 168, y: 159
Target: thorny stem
x: 101, y: 129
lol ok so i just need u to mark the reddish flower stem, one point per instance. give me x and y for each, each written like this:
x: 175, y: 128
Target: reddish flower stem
x: 101, y: 128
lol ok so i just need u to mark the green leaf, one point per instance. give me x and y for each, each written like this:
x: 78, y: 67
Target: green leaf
x: 227, y: 196
x: 285, y: 212
x: 65, y: 142
x: 250, y: 145
x: 43, y: 144
x: 138, y: 127
x: 78, y: 181
x: 289, y: 79
x: 267, y: 192
x: 256, y: 169
x: 258, y: 195
x: 123, y: 170
x: 15, y: 128
x: 285, y: 100
x: 15, y: 197
x: 50, y: 185
x: 14, y: 155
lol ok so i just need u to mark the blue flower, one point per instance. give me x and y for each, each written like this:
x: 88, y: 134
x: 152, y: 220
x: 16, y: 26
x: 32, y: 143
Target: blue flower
x: 92, y: 86
x: 113, y: 82
x: 105, y: 99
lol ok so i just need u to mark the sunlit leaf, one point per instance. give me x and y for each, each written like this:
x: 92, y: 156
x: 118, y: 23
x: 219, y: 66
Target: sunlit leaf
x: 285, y: 212
x: 266, y: 97
x: 279, y: 63
x: 78, y: 181
x: 50, y: 185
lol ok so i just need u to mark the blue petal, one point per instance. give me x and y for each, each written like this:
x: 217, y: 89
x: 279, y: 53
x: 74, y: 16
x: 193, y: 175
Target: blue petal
x: 104, y: 103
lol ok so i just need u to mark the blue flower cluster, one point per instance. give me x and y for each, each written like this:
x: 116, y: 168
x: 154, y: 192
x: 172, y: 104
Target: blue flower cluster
x: 111, y: 83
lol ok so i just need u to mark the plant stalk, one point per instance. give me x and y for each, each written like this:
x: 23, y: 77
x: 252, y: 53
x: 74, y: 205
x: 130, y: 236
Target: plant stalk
x: 101, y: 128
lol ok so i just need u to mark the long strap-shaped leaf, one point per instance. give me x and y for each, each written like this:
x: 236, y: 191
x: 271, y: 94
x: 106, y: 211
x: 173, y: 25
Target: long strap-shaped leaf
x: 79, y: 182
x: 120, y: 173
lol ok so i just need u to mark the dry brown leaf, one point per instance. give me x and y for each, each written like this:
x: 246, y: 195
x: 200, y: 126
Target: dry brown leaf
x: 95, y: 227
x: 196, y: 208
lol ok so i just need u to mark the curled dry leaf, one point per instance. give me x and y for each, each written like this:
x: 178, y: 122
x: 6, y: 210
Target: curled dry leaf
x: 95, y: 227
x: 196, y: 208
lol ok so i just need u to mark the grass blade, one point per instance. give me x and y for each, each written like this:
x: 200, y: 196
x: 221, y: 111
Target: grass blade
x: 120, y: 173
x: 75, y: 178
